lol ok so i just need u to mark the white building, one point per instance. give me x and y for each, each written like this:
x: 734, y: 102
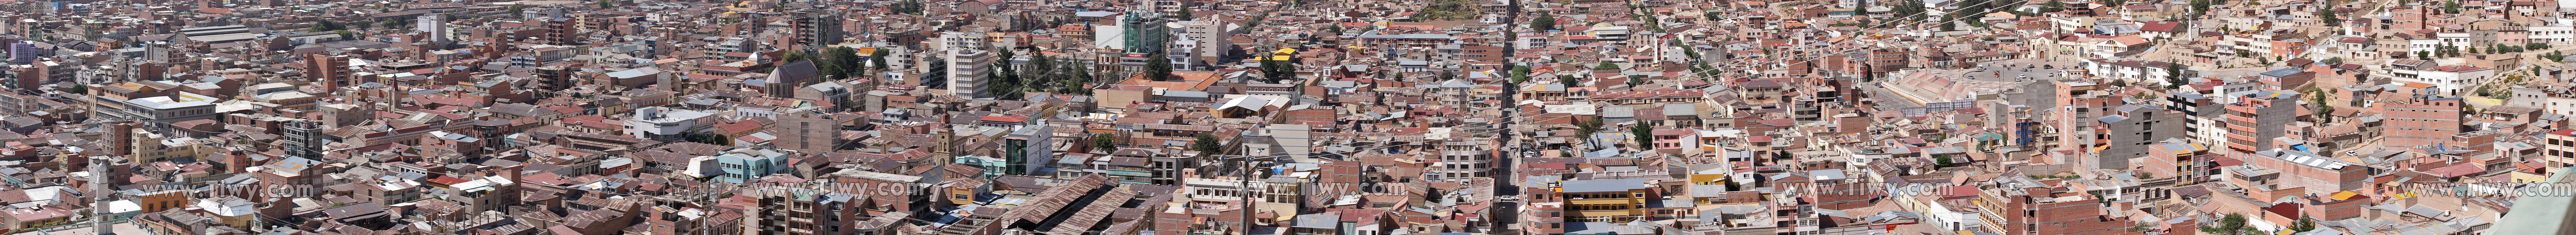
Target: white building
x: 968, y: 70
x: 666, y: 125
x: 2453, y: 80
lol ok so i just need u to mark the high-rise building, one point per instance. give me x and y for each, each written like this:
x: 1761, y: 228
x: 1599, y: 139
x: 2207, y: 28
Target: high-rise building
x: 815, y: 27
x: 784, y: 210
x: 331, y: 71
x: 968, y: 71
x: 2421, y: 121
x: 433, y: 28
x: 1214, y: 41
x: 812, y: 131
x: 2257, y: 118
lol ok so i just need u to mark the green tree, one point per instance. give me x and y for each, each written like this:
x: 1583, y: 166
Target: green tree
x: 1520, y: 74
x: 2451, y: 7
x: 1543, y: 22
x: 2200, y: 7
x: 1104, y: 142
x: 2052, y: 6
x: 2232, y: 224
x: 516, y: 10
x: 1158, y: 67
x: 2173, y: 76
x: 327, y: 26
x: 1606, y: 65
x: 393, y: 23
x: 1206, y: 144
x: 2328, y: 14
x: 77, y: 89
x: 879, y: 58
x: 1584, y: 128
x: 845, y: 61
x: 1645, y: 135
x: 1185, y: 15
x: 607, y: 4
x: 346, y: 35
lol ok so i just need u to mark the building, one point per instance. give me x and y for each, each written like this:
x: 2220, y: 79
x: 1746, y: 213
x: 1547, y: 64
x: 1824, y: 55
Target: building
x: 159, y: 112
x: 2254, y: 120
x: 1027, y: 149
x: 331, y: 71
x: 2421, y: 121
x: 746, y: 165
x: 1579, y: 201
x: 816, y: 27
x: 810, y: 131
x: 797, y: 211
x: 969, y: 70
x: 2132, y: 128
x: 667, y: 125
x: 2451, y: 80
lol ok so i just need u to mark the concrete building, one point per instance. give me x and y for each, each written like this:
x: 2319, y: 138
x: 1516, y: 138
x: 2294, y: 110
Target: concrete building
x: 2255, y: 119
x: 661, y: 124
x: 2421, y: 121
x: 746, y: 165
x: 969, y: 70
x: 797, y: 211
x: 158, y: 112
x: 2130, y: 129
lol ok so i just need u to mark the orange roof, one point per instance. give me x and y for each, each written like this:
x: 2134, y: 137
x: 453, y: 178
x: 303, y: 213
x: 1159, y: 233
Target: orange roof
x: 1182, y: 81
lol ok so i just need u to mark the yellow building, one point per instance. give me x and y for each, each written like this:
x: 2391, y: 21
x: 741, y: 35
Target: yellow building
x: 1605, y: 200
x: 154, y: 147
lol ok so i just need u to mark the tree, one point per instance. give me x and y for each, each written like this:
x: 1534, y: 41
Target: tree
x: 1940, y: 161
x: 346, y: 35
x: 2333, y: 61
x: 1104, y: 142
x: 327, y: 26
x: 1206, y: 144
x: 2328, y: 14
x: 878, y: 57
x: 2115, y: 3
x: 794, y: 56
x: 77, y: 89
x: 607, y: 4
x: 1158, y: 67
x: 1645, y: 135
x: 2173, y: 76
x: 845, y: 61
x: 1520, y: 74
x: 1543, y: 22
x: 1911, y: 9
x: 2232, y: 224
x: 391, y: 23
x: 2200, y: 7
x: 1446, y: 10
x: 2052, y: 6
x: 2536, y: 45
x: 2304, y: 224
x: 1584, y: 128
x: 1606, y: 65
x: 516, y: 10
x: 2451, y: 7
x: 1185, y: 15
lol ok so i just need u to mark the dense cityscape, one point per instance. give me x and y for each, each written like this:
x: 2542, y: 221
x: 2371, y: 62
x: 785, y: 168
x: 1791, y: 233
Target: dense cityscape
x: 1287, y: 117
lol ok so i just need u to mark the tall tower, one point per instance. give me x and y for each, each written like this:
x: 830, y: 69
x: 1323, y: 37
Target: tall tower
x: 99, y: 195
x: 433, y: 27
